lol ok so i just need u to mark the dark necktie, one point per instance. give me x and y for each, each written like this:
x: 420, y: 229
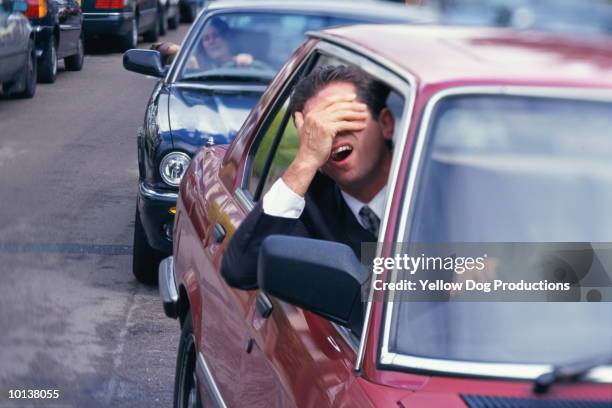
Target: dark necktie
x: 370, y: 221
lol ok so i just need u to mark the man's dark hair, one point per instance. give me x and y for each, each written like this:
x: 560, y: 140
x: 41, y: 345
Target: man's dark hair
x: 369, y: 91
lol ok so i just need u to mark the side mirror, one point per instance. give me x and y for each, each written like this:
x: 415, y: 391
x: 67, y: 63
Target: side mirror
x: 20, y: 6
x: 323, y: 277
x: 147, y: 62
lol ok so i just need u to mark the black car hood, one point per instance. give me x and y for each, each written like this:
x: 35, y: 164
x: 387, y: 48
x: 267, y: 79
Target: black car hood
x: 200, y: 115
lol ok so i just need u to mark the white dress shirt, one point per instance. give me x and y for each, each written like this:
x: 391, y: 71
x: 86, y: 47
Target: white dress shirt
x: 281, y: 201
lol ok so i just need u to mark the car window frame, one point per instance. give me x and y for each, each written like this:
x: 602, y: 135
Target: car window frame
x: 435, y: 366
x: 400, y: 81
x: 262, y: 132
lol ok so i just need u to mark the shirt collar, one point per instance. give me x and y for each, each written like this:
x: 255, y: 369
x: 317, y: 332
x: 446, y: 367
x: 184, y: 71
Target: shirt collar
x: 377, y: 204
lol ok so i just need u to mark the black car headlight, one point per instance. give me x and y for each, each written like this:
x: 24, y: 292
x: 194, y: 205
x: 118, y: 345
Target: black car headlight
x: 173, y: 166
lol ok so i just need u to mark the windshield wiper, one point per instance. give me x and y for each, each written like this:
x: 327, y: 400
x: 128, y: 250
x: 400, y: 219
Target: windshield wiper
x: 232, y: 75
x: 227, y: 78
x: 568, y: 373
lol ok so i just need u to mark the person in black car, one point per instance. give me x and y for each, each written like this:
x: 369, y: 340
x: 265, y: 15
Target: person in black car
x: 217, y: 48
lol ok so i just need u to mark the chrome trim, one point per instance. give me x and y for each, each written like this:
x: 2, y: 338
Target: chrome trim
x: 244, y: 200
x: 148, y: 192
x: 221, y: 88
x: 209, y: 381
x: 148, y: 11
x: 167, y: 287
x: 348, y: 337
x: 479, y: 369
x: 333, y: 343
x: 491, y: 370
x: 126, y: 14
x: 372, y: 56
x: 68, y: 27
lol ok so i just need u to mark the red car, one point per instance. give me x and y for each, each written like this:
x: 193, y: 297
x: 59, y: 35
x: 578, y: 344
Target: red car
x: 500, y: 137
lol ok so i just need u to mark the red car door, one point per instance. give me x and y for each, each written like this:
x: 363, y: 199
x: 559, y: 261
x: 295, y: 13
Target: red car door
x: 215, y: 211
x: 293, y: 357
x: 290, y: 357
x: 219, y: 317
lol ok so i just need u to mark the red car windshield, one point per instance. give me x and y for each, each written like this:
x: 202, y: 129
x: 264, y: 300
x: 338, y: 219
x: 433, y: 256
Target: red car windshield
x: 511, y: 169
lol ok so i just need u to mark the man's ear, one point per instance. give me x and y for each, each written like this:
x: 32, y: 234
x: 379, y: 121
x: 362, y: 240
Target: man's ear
x: 386, y: 122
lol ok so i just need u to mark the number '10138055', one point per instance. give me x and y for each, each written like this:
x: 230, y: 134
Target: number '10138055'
x: 33, y: 394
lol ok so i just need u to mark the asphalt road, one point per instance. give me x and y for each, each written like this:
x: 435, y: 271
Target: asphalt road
x: 72, y: 317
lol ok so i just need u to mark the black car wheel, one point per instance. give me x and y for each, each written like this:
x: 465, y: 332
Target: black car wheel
x: 47, y: 66
x: 162, y: 21
x: 130, y: 39
x: 153, y: 34
x: 75, y: 62
x: 145, y: 259
x: 173, y: 23
x: 25, y: 85
x: 186, y: 392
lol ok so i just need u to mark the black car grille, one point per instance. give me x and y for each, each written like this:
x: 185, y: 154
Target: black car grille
x: 483, y: 401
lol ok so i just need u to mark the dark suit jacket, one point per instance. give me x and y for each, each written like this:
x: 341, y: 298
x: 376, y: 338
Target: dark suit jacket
x: 326, y: 216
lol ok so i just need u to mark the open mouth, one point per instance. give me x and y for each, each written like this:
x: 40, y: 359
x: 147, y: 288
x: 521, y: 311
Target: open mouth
x: 340, y: 153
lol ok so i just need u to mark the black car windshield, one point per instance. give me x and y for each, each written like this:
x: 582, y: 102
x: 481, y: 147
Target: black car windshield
x: 250, y: 46
x: 510, y: 169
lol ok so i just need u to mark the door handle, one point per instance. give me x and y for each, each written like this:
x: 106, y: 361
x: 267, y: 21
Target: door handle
x: 218, y: 233
x: 263, y: 305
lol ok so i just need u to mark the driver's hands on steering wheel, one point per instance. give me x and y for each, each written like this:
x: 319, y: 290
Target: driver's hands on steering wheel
x: 243, y: 60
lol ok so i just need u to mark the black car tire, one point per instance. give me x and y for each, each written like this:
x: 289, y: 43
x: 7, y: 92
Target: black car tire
x: 47, y: 65
x: 163, y: 21
x: 145, y: 259
x: 173, y: 23
x: 186, y: 392
x: 130, y: 39
x: 75, y: 62
x: 25, y: 85
x: 153, y: 34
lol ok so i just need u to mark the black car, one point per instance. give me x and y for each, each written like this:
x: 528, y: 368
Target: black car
x: 17, y: 50
x: 124, y: 20
x: 59, y: 35
x: 231, y: 53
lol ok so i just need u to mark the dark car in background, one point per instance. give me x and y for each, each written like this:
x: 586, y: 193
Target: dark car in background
x: 17, y: 50
x: 124, y: 20
x: 203, y: 99
x: 59, y: 35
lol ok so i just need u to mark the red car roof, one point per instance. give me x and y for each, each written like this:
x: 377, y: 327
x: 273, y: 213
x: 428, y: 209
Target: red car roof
x: 460, y: 55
